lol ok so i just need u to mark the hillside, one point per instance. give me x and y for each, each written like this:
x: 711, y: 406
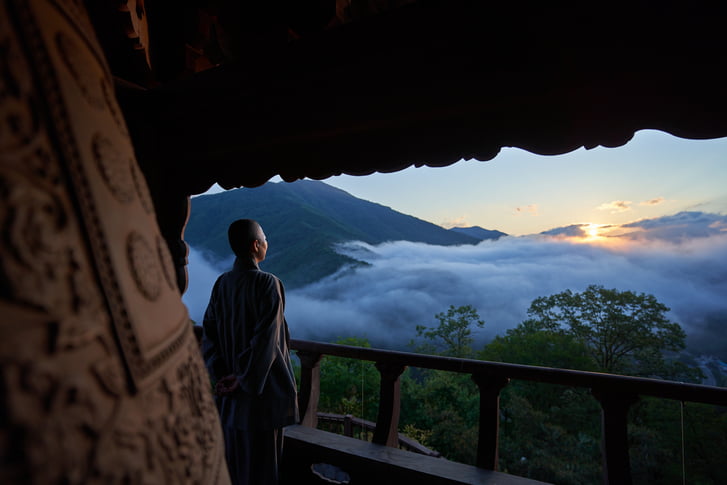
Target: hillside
x: 303, y: 221
x: 479, y: 232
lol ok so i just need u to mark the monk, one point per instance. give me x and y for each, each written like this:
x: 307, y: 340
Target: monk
x: 246, y: 347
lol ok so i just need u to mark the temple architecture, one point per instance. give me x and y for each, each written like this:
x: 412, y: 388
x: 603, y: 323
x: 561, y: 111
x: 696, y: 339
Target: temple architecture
x: 113, y: 113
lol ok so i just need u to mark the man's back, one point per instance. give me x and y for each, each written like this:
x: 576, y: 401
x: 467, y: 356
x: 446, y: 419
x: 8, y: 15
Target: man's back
x: 246, y: 348
x: 246, y: 335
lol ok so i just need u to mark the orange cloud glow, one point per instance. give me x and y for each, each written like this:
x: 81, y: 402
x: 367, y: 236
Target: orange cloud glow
x: 656, y: 201
x: 531, y: 209
x: 616, y: 206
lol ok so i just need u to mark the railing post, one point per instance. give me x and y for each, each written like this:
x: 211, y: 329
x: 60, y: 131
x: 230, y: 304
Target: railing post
x: 387, y: 423
x: 310, y: 387
x: 614, y: 442
x: 489, y: 431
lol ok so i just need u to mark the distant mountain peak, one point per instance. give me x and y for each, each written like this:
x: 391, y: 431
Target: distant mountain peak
x: 478, y: 232
x: 304, y: 221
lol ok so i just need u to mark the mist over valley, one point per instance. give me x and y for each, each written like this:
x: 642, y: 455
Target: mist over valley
x: 356, y: 268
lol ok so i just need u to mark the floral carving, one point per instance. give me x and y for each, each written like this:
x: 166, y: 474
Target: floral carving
x: 19, y: 118
x: 31, y: 220
x: 74, y: 408
x: 166, y: 261
x: 142, y: 190
x: 144, y: 267
x: 115, y: 168
x: 113, y: 107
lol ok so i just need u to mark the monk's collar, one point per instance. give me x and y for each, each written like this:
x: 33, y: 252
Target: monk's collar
x: 245, y: 264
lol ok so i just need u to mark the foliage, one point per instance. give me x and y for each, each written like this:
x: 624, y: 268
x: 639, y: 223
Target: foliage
x: 421, y: 436
x: 549, y: 432
x: 527, y: 344
x: 350, y: 386
x: 452, y: 337
x: 542, y: 442
x: 624, y: 332
x: 446, y: 405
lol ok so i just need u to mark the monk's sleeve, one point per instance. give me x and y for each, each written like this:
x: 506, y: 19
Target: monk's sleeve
x: 210, y: 339
x: 259, y: 357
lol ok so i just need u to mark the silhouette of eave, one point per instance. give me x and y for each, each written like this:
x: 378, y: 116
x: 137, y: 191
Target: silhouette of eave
x: 434, y: 82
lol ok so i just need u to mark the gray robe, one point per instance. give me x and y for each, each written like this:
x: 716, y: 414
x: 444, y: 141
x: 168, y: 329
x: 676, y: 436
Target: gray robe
x: 245, y: 334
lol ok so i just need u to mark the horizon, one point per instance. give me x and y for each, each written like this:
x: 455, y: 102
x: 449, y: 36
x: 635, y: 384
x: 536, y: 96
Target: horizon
x: 522, y: 193
x: 657, y: 226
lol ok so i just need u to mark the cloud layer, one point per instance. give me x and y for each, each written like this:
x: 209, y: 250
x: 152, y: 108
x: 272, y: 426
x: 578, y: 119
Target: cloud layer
x: 406, y: 284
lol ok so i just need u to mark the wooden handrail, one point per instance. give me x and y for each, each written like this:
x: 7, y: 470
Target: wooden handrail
x: 348, y: 422
x: 615, y: 393
x: 643, y: 386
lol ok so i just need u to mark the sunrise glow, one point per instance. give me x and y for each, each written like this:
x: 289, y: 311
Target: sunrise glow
x: 594, y: 233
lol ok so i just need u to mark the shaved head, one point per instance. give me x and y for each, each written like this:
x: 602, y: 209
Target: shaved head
x: 242, y: 234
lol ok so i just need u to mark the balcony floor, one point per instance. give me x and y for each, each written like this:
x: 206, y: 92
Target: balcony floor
x: 369, y: 463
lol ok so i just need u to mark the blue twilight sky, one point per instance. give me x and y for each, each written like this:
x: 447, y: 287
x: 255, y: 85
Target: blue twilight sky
x: 519, y: 193
x: 665, y: 197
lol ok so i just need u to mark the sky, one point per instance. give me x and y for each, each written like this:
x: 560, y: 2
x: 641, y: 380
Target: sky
x: 649, y: 217
x: 520, y: 193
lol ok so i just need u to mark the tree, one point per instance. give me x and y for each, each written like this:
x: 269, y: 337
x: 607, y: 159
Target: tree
x: 349, y: 386
x: 624, y: 332
x: 528, y: 344
x: 444, y: 404
x: 453, y: 336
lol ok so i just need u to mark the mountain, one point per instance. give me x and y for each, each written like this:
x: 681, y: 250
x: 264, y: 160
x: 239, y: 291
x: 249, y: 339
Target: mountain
x: 479, y: 232
x: 303, y: 221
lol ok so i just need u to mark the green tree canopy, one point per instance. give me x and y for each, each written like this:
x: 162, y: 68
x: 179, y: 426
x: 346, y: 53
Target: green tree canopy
x: 529, y: 344
x: 453, y: 335
x: 624, y: 332
x: 349, y: 386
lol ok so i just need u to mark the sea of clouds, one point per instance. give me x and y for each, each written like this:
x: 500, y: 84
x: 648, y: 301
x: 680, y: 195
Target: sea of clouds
x: 681, y: 260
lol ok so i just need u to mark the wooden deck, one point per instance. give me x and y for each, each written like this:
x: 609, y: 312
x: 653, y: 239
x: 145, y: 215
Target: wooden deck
x: 368, y: 463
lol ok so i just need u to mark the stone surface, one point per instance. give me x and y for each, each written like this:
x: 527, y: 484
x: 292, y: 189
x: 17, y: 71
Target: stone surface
x: 101, y: 377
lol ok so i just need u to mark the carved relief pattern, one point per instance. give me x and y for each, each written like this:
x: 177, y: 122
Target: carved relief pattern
x: 107, y: 91
x: 162, y: 444
x: 83, y: 429
x: 68, y: 413
x: 75, y: 75
x: 18, y: 118
x: 40, y: 254
x: 165, y: 258
x: 142, y: 190
x: 144, y: 266
x: 115, y: 168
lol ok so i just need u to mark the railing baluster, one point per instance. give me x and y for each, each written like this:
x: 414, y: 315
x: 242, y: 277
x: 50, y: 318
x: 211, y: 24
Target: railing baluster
x: 491, y: 377
x: 387, y: 424
x: 489, y: 432
x: 310, y: 387
x: 614, y: 443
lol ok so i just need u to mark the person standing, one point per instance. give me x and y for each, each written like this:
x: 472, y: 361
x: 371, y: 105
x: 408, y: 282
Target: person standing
x: 246, y: 347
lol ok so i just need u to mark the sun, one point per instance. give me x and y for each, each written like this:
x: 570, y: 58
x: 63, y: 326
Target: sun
x: 593, y: 232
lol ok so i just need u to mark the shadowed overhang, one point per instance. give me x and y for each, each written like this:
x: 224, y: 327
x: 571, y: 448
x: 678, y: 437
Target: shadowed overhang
x: 432, y: 82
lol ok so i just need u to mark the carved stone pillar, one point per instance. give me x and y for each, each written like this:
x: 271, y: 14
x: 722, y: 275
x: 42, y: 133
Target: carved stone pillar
x: 101, y: 380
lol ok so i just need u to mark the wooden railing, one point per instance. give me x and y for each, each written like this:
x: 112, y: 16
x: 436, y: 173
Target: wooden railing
x: 615, y: 393
x: 349, y: 422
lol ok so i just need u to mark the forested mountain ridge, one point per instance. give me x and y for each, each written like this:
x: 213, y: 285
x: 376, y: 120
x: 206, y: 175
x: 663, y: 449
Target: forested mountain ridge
x: 479, y: 233
x: 303, y: 222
